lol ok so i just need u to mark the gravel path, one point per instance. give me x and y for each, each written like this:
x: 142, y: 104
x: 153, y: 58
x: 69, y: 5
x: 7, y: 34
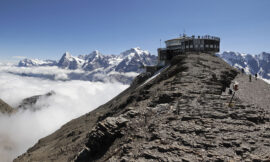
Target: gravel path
x: 256, y: 92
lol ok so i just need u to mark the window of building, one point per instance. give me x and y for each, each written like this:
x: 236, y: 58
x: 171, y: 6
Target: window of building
x: 211, y: 45
x: 207, y: 46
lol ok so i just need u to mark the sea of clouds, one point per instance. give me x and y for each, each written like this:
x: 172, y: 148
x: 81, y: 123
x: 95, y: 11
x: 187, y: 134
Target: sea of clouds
x: 73, y: 98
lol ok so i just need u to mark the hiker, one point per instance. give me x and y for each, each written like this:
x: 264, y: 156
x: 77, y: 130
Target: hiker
x: 243, y: 71
x: 256, y: 76
x: 235, y: 88
x: 230, y: 91
x: 249, y: 77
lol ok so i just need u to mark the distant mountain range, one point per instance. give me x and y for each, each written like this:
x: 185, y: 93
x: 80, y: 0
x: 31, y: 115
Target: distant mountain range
x: 125, y: 66
x: 251, y: 64
x: 35, y: 62
x: 98, y: 67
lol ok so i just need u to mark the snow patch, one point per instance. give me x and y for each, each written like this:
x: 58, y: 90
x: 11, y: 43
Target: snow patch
x: 155, y: 75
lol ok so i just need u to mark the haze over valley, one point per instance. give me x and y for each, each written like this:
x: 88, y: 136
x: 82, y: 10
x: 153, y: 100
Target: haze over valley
x: 23, y: 128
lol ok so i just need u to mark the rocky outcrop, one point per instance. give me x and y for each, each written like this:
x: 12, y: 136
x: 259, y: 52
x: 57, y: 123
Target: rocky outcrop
x: 101, y: 137
x: 5, y: 108
x: 30, y: 103
x: 179, y: 114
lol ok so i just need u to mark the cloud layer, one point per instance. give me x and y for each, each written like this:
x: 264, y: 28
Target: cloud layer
x: 20, y: 131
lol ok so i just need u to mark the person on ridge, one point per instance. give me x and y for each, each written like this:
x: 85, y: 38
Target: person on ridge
x: 249, y: 77
x: 256, y: 76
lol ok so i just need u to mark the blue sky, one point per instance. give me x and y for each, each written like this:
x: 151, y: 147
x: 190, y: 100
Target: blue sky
x: 47, y: 28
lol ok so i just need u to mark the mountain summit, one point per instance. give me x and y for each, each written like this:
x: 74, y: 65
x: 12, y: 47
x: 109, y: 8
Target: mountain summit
x: 70, y: 62
x: 180, y: 113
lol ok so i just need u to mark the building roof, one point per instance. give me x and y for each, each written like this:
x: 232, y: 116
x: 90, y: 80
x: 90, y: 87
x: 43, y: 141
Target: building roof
x: 179, y: 38
x: 184, y: 37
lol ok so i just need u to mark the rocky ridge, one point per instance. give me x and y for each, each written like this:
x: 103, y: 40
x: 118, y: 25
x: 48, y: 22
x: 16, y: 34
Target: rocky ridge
x: 181, y: 114
x: 30, y: 102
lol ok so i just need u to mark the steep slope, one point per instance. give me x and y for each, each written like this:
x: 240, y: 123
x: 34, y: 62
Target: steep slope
x: 179, y: 114
x: 5, y: 108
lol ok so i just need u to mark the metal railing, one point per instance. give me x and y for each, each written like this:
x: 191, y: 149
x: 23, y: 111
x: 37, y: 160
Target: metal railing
x: 208, y: 37
x: 201, y: 37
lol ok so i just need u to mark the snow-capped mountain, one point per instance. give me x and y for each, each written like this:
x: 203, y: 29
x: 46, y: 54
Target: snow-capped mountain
x: 252, y: 64
x: 134, y: 59
x: 128, y: 64
x: 70, y: 62
x: 36, y: 62
x: 98, y: 67
x: 95, y: 60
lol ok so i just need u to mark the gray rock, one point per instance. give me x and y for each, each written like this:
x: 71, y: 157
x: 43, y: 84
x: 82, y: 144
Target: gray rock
x: 5, y: 108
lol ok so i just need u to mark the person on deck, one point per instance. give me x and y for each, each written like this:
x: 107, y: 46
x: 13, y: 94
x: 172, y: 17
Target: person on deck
x: 256, y: 76
x: 249, y: 77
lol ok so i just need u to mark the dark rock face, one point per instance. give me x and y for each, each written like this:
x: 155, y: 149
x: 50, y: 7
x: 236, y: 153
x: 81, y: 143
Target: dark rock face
x: 101, y: 137
x: 95, y: 60
x: 5, y: 108
x: 182, y: 114
x: 70, y: 62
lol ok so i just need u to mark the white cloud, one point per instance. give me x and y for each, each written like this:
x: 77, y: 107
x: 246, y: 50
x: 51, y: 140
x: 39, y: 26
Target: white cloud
x: 39, y: 70
x: 22, y: 130
x: 56, y: 73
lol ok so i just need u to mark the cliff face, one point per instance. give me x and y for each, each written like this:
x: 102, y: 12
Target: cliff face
x: 179, y: 114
